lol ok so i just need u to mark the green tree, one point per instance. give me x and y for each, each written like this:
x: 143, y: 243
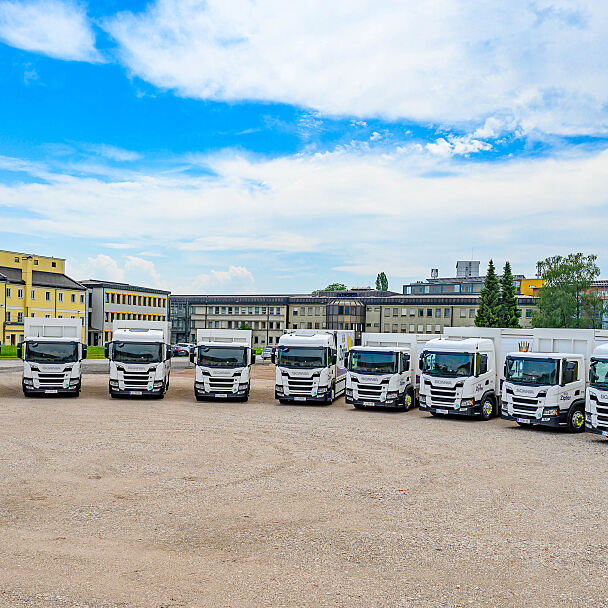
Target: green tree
x: 244, y: 326
x: 332, y: 287
x: 565, y: 300
x: 489, y: 300
x: 382, y: 282
x: 508, y: 313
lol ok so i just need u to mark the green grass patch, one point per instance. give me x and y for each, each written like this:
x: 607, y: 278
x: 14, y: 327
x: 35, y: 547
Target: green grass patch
x: 8, y: 352
x: 96, y: 352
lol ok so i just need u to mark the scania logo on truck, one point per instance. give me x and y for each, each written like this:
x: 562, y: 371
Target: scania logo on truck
x: 446, y: 382
x: 299, y: 374
x: 525, y: 391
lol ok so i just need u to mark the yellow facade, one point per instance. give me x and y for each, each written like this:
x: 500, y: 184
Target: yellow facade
x: 528, y: 286
x: 26, y: 293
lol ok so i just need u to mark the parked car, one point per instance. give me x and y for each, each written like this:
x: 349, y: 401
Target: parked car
x: 267, y: 352
x: 181, y: 350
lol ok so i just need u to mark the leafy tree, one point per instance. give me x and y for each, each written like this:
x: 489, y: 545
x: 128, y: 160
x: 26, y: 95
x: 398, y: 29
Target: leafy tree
x: 332, y: 287
x: 382, y: 282
x: 244, y: 326
x: 565, y: 299
x: 489, y: 299
x: 508, y: 313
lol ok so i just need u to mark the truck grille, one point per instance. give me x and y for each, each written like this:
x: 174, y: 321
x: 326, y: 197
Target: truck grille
x: 524, y: 406
x: 136, y: 380
x: 221, y: 385
x: 602, y: 415
x: 49, y: 379
x: 443, y: 396
x: 372, y: 392
x: 300, y: 386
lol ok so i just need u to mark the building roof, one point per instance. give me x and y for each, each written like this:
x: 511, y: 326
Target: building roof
x: 32, y: 255
x: 449, y: 280
x: 40, y: 278
x: 92, y: 283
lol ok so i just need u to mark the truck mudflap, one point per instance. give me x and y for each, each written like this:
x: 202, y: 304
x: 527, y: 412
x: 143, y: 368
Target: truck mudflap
x: 559, y: 421
x: 474, y: 410
x: 589, y: 428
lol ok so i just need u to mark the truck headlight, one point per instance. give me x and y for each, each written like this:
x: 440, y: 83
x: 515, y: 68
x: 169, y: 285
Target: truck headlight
x: 158, y: 384
x: 466, y: 403
x: 349, y: 392
x: 28, y: 382
x: 391, y: 395
x: 422, y: 399
x: 279, y: 389
x: 243, y: 387
x: 74, y: 382
x: 114, y: 383
x: 552, y: 411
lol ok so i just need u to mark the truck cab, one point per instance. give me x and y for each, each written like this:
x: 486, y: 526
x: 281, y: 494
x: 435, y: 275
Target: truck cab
x: 458, y: 376
x: 52, y: 355
x: 545, y: 389
x: 310, y: 365
x: 596, y: 405
x: 383, y: 371
x: 223, y: 360
x: 140, y: 359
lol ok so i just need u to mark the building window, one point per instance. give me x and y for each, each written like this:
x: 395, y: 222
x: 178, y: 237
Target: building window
x: 438, y: 312
x: 60, y: 296
x: 463, y: 313
x: 73, y: 298
x: 8, y: 316
x: 528, y: 313
x: 47, y: 296
x: 16, y: 259
x: 82, y: 298
x: 19, y: 317
x: 412, y: 328
x: 54, y: 264
x: 429, y: 312
x: 471, y: 313
x: 20, y: 294
x: 9, y: 292
x: 295, y: 312
x: 35, y: 262
x: 33, y: 294
x: 446, y: 312
x: 420, y: 312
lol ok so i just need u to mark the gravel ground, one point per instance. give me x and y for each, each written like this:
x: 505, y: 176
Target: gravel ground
x: 176, y: 503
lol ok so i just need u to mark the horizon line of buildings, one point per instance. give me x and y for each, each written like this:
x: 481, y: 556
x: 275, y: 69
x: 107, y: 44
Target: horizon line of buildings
x: 37, y: 286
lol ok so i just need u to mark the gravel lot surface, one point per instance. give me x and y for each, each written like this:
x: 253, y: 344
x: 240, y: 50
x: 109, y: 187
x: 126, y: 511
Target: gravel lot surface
x: 176, y: 503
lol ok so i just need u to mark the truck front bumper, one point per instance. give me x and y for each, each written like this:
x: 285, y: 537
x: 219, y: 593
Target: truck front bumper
x: 199, y: 394
x: 366, y: 403
x: 30, y: 390
x: 136, y: 393
x: 473, y: 410
x: 589, y: 428
x: 559, y: 421
x: 302, y: 398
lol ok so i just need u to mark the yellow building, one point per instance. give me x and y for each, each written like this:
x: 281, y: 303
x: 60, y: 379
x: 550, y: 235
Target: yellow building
x: 530, y: 287
x: 36, y: 286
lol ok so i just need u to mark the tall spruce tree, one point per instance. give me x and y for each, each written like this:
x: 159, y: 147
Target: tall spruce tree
x: 489, y: 300
x: 508, y: 313
x: 382, y: 282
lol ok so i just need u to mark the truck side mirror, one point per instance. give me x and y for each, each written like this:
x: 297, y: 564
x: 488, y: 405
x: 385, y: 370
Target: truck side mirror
x: 421, y: 362
x: 252, y: 357
x: 192, y: 354
x: 169, y: 352
x: 19, y: 352
x: 84, y: 351
x: 273, y: 357
x: 483, y: 364
x: 106, y: 350
x: 334, y: 359
x: 405, y: 362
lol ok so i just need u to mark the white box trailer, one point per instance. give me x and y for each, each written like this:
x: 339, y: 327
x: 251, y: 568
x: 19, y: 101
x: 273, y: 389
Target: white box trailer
x: 223, y: 359
x: 383, y: 371
x: 140, y: 358
x: 596, y: 398
x: 52, y: 355
x: 310, y: 364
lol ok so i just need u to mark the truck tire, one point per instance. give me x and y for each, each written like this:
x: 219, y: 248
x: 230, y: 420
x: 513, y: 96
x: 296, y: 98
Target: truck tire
x: 487, y: 407
x: 409, y: 400
x: 576, y: 418
x: 331, y: 395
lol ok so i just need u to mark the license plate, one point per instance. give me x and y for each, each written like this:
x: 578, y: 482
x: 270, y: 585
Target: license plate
x: 51, y: 391
x: 441, y: 411
x: 299, y: 398
x: 368, y: 403
x: 135, y: 393
x: 221, y: 395
x: 605, y: 433
x: 523, y: 421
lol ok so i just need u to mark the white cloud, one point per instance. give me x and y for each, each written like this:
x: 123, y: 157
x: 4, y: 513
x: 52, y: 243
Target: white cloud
x: 133, y: 269
x: 55, y: 28
x: 114, y: 153
x: 352, y: 210
x: 236, y: 279
x: 117, y: 245
x: 454, y: 145
x: 538, y: 64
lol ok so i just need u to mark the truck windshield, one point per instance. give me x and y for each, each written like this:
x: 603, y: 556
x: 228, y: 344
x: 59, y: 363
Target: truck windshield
x: 365, y: 362
x: 137, y: 352
x: 222, y: 356
x: 448, y: 364
x: 302, y: 356
x: 51, y: 352
x: 598, y: 372
x: 531, y: 371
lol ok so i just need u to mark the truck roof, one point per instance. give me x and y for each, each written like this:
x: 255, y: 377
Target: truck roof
x: 138, y: 335
x: 236, y: 337
x: 601, y: 351
x: 141, y: 327
x: 36, y: 328
x: 382, y: 349
x: 320, y: 339
x: 459, y: 345
x: 534, y: 355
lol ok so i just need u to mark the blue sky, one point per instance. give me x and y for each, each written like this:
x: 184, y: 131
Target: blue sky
x: 254, y: 147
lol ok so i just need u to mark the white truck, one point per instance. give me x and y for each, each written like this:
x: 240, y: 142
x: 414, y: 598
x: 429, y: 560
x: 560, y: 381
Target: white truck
x: 544, y: 383
x: 140, y: 358
x: 310, y: 365
x: 461, y: 371
x: 52, y: 353
x: 596, y: 402
x: 383, y: 371
x: 223, y: 359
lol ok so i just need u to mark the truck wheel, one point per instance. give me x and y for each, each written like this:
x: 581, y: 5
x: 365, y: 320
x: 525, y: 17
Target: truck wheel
x: 487, y: 408
x: 409, y: 400
x: 331, y: 395
x: 576, y: 419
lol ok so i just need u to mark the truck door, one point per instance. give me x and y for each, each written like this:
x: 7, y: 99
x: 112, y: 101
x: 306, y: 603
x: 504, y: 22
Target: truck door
x: 570, y: 389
